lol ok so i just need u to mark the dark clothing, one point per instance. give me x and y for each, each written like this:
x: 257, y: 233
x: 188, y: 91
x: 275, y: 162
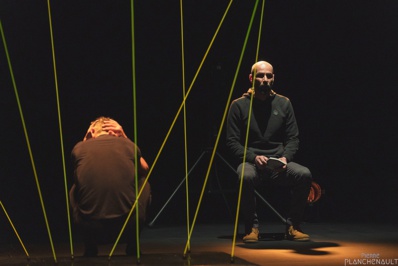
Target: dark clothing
x: 273, y: 129
x: 273, y: 132
x: 104, y: 186
x: 296, y: 176
x: 104, y: 176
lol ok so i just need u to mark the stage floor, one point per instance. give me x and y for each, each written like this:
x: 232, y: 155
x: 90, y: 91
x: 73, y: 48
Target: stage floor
x: 211, y: 244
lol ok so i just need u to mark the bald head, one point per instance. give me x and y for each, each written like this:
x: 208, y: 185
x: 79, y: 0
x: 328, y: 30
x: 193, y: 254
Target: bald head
x: 262, y: 78
x: 262, y: 64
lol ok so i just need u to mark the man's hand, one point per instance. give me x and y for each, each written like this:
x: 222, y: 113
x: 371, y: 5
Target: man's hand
x: 261, y: 161
x: 283, y: 168
x: 284, y: 160
x: 113, y: 128
x: 143, y: 168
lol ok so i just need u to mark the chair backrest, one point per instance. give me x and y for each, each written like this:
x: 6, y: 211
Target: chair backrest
x: 315, y: 192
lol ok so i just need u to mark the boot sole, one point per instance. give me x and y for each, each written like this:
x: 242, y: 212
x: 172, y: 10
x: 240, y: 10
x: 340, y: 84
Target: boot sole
x: 298, y: 239
x: 250, y: 241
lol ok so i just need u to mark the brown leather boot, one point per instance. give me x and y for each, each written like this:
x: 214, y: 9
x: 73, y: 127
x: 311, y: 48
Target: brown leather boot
x: 252, y: 237
x: 295, y: 234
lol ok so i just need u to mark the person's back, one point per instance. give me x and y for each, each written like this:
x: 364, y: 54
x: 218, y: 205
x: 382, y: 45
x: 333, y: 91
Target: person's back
x: 104, y: 176
x: 104, y: 192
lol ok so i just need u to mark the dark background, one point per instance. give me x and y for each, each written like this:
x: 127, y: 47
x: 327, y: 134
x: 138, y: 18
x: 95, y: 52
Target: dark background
x: 335, y: 60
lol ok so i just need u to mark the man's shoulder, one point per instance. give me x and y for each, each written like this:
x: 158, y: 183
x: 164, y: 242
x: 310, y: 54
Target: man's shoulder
x: 118, y: 140
x: 241, y: 100
x: 280, y: 99
x: 241, y: 103
x: 125, y: 140
x: 79, y: 144
x: 77, y: 148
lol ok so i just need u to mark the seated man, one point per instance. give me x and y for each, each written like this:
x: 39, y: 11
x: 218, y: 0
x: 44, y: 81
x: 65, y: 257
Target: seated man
x: 103, y: 193
x: 260, y: 125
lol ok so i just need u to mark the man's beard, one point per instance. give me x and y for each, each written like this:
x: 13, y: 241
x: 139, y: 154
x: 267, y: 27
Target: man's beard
x: 263, y: 88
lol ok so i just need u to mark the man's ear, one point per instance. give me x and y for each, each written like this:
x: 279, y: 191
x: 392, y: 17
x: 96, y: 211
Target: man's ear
x: 92, y: 131
x: 251, y: 78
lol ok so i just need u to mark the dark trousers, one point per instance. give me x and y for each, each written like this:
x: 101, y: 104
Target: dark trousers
x: 106, y: 231
x: 296, y: 176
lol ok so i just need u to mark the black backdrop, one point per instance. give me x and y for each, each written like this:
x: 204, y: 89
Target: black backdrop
x: 335, y: 60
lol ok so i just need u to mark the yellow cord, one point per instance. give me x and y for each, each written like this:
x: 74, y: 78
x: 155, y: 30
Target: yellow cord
x: 217, y: 139
x: 185, y: 123
x: 245, y: 146
x: 137, y: 193
x: 60, y: 132
x: 27, y: 139
x: 16, y: 233
x: 182, y: 106
x: 137, y: 216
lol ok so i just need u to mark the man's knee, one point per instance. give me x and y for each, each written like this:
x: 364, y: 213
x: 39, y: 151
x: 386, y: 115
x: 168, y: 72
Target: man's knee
x: 305, y: 172
x: 301, y: 173
x: 247, y: 171
x: 305, y: 175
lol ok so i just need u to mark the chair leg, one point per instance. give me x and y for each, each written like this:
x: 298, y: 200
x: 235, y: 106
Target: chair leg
x: 285, y: 221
